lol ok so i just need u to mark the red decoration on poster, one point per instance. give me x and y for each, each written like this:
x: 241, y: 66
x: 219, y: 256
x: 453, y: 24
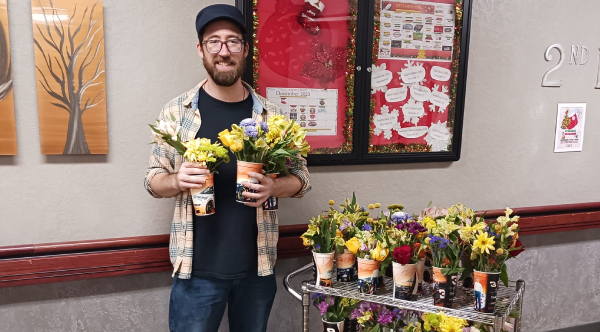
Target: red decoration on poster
x: 327, y: 63
x: 310, y: 13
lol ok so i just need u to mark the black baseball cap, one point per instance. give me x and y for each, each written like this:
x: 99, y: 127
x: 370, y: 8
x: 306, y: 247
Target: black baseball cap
x: 218, y: 12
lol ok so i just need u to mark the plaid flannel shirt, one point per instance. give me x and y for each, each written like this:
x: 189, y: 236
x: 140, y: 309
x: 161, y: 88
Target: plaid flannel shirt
x: 164, y: 159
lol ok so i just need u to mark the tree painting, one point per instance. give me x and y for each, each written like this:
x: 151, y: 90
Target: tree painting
x: 69, y: 43
x: 8, y: 137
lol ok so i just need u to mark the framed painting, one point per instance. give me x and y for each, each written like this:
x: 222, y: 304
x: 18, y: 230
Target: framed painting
x: 8, y: 131
x: 69, y: 59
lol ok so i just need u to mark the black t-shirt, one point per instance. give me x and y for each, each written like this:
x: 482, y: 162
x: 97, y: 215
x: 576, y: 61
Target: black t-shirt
x: 225, y: 242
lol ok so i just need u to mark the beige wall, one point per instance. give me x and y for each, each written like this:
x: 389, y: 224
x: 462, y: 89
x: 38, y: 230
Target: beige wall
x: 507, y: 157
x: 507, y: 161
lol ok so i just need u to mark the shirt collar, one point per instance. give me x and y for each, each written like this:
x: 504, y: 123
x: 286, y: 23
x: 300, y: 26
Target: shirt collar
x: 194, y: 94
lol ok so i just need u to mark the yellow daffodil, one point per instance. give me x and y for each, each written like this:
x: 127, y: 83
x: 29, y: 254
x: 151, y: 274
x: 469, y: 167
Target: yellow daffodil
x: 353, y: 244
x: 484, y: 243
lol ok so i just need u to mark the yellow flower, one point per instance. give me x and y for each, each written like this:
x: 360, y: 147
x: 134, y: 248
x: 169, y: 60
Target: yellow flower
x: 371, y: 206
x: 484, y: 243
x: 365, y: 317
x: 226, y: 137
x: 377, y: 205
x: 236, y: 146
x: 353, y: 244
x: 500, y: 251
x: 331, y: 202
x: 427, y: 239
x: 338, y: 233
x: 369, y: 220
x: 498, y: 228
x: 379, y: 253
x: 305, y: 241
x: 429, y: 223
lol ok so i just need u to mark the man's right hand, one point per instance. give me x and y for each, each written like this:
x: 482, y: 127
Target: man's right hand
x: 186, y: 177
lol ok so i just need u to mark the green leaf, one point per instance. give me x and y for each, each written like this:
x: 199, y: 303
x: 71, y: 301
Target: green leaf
x: 353, y: 198
x: 173, y: 117
x: 504, y: 275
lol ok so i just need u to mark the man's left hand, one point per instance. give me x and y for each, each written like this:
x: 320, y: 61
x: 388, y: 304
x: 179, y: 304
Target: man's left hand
x: 264, y: 189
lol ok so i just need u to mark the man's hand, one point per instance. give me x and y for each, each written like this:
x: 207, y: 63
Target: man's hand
x: 186, y: 178
x: 264, y: 189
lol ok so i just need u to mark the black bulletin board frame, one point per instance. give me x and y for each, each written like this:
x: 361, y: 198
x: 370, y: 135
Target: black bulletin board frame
x: 364, y: 55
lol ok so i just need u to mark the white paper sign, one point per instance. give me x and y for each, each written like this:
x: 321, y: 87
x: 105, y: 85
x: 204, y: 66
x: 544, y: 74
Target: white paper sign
x: 440, y: 99
x: 440, y: 74
x: 385, y: 121
x: 420, y: 93
x: 570, y: 122
x: 440, y: 133
x: 413, y: 74
x: 413, y: 110
x: 381, y: 78
x: 396, y: 94
x: 413, y: 132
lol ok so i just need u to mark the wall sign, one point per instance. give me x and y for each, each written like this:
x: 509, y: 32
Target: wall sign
x: 579, y: 56
x: 570, y: 122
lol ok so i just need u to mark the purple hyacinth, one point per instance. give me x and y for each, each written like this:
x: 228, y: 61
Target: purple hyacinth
x: 367, y: 227
x: 251, y: 131
x: 264, y: 127
x: 248, y: 122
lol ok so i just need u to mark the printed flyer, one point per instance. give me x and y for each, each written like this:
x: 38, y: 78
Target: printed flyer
x: 416, y: 29
x: 314, y: 109
x: 570, y: 122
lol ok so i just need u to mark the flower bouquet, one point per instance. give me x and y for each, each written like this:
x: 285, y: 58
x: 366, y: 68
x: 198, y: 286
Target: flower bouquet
x: 334, y: 310
x: 405, y: 236
x: 286, y: 140
x: 371, y: 250
x: 491, y: 247
x: 247, y: 141
x: 374, y: 317
x: 199, y: 150
x: 444, y: 245
x: 325, y: 238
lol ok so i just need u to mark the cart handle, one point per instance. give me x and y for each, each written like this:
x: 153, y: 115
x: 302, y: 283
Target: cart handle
x: 286, y: 281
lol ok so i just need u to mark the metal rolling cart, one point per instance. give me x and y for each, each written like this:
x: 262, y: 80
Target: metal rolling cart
x: 509, y: 299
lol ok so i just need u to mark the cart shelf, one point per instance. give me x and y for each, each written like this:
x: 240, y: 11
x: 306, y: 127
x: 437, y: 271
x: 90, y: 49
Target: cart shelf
x: 509, y: 299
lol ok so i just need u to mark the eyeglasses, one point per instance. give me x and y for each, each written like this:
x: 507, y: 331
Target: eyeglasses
x: 214, y: 46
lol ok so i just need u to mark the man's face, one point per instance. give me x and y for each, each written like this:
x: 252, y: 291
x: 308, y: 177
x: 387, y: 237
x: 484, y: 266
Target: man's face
x: 225, y: 67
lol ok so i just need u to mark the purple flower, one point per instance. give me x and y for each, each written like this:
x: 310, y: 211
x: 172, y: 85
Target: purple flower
x: 248, y: 122
x: 367, y: 227
x: 323, y: 307
x: 386, y: 214
x: 400, y: 216
x: 364, y: 247
x: 444, y: 243
x: 264, y: 127
x: 385, y: 316
x: 251, y: 131
x: 434, y: 239
x: 318, y: 246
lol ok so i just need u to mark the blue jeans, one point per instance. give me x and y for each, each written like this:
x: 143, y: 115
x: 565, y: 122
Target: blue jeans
x: 477, y: 300
x: 198, y: 304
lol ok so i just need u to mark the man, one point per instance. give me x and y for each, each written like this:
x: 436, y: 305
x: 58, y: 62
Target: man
x: 225, y: 259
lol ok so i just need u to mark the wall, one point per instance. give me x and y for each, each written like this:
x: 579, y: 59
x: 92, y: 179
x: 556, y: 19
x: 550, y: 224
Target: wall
x: 507, y: 160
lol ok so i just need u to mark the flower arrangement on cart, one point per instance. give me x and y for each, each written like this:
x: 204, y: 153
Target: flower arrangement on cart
x: 456, y: 242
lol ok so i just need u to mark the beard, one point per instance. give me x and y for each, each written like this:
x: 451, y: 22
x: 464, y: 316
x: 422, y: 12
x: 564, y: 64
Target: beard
x: 228, y: 77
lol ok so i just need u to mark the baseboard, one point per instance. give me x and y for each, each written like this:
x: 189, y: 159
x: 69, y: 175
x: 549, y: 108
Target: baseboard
x: 593, y: 327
